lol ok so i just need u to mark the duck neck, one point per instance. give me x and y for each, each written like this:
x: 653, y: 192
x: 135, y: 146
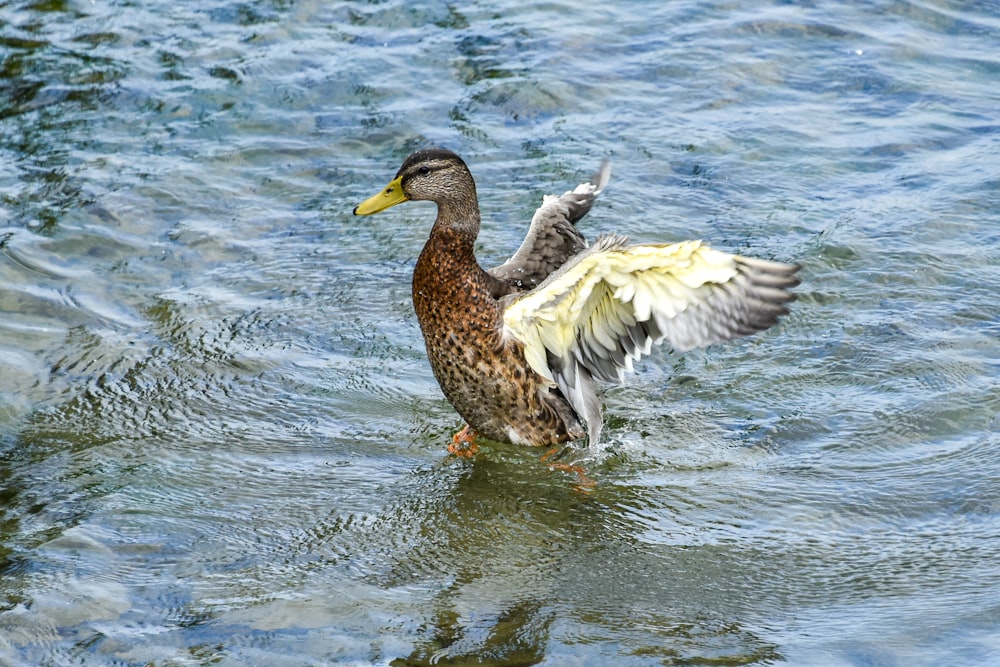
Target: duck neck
x: 459, y: 216
x: 447, y: 271
x: 454, y: 234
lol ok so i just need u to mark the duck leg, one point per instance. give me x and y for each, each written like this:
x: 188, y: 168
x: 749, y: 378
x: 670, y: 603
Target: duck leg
x: 584, y: 483
x: 463, y: 443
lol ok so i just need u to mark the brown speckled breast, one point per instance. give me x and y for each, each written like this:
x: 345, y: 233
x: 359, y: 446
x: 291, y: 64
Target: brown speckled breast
x: 488, y: 382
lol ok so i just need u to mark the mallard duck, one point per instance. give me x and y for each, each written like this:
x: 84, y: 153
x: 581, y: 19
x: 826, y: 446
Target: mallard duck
x: 518, y: 349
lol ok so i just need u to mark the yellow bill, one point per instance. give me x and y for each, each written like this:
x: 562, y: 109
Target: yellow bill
x: 392, y: 194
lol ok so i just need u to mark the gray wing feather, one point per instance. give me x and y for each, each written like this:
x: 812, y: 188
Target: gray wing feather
x: 752, y: 301
x: 577, y: 385
x: 552, y: 238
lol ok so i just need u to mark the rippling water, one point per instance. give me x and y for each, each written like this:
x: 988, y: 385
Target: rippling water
x: 221, y: 442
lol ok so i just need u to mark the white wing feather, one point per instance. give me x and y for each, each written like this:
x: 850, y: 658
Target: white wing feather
x: 608, y: 305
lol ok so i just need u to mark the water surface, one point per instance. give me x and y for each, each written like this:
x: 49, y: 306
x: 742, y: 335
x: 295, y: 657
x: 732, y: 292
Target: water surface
x: 221, y: 441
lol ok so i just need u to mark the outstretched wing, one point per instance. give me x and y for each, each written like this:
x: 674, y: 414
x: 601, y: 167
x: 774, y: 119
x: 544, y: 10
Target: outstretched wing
x: 552, y: 238
x: 611, y: 304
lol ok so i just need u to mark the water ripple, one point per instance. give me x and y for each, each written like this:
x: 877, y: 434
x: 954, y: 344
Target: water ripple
x: 220, y: 440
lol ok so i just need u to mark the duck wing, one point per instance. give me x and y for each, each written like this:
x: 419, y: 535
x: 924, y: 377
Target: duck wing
x: 609, y: 305
x: 552, y: 238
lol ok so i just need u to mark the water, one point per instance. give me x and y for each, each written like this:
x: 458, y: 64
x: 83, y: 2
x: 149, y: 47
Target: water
x: 222, y: 444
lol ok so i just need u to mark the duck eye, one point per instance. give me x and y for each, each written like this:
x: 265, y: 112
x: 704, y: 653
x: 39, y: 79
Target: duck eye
x: 423, y: 171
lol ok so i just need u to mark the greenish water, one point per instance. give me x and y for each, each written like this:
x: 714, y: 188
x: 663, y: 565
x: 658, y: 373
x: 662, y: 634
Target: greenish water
x: 221, y: 442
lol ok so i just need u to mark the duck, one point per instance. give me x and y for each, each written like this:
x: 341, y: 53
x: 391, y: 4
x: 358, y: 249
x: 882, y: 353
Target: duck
x: 521, y: 350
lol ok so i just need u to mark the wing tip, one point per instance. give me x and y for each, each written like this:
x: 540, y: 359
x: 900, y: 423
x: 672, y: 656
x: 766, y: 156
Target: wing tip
x: 602, y: 177
x: 784, y: 269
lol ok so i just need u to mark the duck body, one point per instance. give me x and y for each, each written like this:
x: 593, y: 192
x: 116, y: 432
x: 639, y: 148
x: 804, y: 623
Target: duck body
x: 460, y: 310
x: 485, y: 378
x: 517, y: 349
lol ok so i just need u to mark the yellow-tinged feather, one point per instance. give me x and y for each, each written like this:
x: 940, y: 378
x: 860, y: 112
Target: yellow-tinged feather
x: 625, y: 292
x: 592, y: 303
x: 642, y: 302
x: 603, y: 328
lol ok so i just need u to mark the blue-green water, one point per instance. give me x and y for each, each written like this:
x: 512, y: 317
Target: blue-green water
x: 222, y: 444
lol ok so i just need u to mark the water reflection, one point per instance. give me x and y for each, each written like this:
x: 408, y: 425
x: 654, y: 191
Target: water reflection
x: 496, y: 538
x: 501, y: 547
x: 517, y: 635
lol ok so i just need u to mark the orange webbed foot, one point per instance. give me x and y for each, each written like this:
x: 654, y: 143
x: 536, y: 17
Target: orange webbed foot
x: 463, y: 443
x: 584, y: 483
